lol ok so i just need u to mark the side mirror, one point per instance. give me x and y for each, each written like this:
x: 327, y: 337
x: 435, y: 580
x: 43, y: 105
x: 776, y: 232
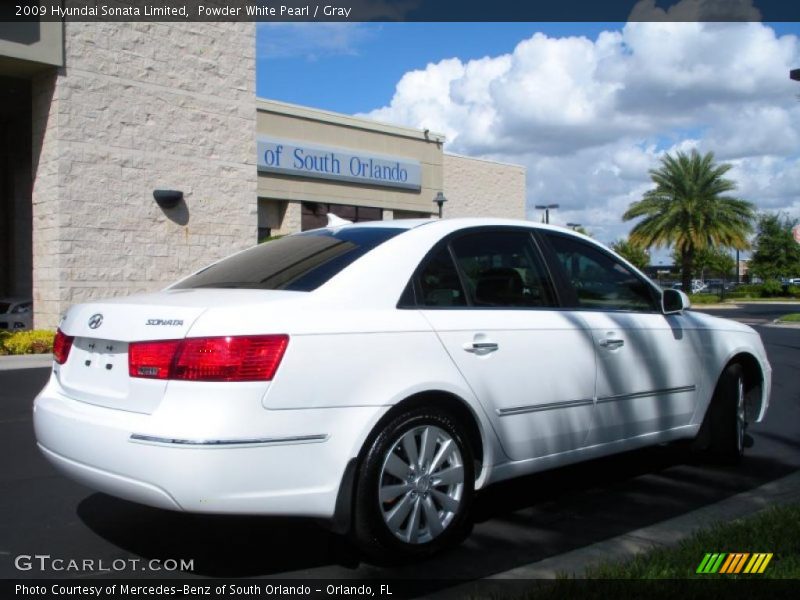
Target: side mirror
x: 674, y: 302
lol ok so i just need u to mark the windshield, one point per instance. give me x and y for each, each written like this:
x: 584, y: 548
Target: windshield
x: 300, y: 262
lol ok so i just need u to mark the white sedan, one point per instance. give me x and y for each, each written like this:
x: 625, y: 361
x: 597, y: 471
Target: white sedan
x: 375, y: 375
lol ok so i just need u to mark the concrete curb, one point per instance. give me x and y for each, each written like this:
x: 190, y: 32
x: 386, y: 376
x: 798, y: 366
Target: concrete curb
x: 25, y: 361
x: 666, y: 533
x: 787, y: 324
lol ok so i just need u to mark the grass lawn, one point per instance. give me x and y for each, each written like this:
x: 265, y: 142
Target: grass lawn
x: 791, y: 318
x: 671, y: 573
x: 775, y: 530
x: 784, y: 299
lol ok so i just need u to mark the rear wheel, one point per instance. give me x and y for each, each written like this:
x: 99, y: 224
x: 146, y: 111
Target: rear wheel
x: 726, y: 418
x: 415, y: 486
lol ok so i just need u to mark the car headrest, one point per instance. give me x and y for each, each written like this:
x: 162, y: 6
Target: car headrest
x: 499, y: 286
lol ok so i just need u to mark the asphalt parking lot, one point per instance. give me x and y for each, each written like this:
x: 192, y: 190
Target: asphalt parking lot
x: 517, y: 522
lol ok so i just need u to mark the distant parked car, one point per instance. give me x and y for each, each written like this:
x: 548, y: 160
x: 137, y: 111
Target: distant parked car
x: 717, y: 285
x: 697, y: 286
x: 16, y: 314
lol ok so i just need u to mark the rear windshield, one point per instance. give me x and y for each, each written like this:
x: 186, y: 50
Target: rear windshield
x: 301, y: 262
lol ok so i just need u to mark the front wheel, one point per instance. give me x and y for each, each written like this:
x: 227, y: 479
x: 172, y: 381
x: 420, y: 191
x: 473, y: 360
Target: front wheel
x: 415, y: 486
x: 727, y: 417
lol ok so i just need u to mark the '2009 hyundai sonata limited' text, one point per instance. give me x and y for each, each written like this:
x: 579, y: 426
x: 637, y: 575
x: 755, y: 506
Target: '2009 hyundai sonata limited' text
x: 375, y: 375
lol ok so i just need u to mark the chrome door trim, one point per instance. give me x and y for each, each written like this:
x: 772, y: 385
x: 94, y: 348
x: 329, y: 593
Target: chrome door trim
x: 519, y: 410
x: 662, y: 392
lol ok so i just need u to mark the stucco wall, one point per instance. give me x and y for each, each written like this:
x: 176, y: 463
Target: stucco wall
x: 480, y: 188
x: 141, y: 106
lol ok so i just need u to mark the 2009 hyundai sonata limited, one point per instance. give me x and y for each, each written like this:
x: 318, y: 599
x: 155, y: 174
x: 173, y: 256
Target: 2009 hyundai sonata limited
x: 376, y: 374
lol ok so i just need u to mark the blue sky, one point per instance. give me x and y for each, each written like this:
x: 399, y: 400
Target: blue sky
x: 359, y: 73
x: 587, y: 108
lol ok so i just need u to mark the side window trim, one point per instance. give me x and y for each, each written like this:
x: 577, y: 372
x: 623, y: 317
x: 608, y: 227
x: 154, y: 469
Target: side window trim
x: 461, y: 277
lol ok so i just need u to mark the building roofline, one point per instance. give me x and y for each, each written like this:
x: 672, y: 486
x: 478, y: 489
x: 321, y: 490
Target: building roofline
x: 326, y: 116
x: 487, y: 160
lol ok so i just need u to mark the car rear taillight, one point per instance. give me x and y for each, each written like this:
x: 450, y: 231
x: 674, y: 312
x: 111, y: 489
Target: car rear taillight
x: 152, y: 360
x: 232, y: 358
x: 61, y: 346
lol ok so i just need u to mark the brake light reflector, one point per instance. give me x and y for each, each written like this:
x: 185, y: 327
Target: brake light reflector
x: 232, y: 358
x: 62, y: 344
x: 152, y: 360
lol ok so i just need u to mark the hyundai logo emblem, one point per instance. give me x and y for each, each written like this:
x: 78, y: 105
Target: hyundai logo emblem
x: 95, y: 321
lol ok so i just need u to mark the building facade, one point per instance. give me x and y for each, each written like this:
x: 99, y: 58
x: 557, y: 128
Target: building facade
x: 96, y: 116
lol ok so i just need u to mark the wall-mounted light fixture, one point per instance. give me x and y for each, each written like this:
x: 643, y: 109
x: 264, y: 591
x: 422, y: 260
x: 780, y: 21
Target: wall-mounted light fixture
x: 440, y: 200
x: 168, y: 198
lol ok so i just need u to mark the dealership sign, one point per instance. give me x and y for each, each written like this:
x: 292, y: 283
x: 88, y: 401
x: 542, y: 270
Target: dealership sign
x: 299, y: 159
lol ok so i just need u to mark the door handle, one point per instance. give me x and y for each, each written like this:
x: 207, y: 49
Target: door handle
x: 612, y: 344
x: 481, y: 347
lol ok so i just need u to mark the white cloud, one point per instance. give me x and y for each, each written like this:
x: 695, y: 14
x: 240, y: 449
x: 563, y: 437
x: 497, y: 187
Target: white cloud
x: 589, y: 118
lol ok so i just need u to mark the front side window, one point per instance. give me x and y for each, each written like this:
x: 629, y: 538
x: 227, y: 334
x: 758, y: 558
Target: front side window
x: 301, y: 262
x: 501, y: 269
x: 600, y: 281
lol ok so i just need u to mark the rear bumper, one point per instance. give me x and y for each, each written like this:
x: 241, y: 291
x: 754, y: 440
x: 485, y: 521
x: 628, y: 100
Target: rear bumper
x: 242, y: 459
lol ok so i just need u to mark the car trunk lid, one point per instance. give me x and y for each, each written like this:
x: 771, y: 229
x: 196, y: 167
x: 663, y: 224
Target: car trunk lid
x: 96, y: 370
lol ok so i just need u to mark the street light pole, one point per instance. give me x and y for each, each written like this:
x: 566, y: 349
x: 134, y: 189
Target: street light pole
x: 546, y: 208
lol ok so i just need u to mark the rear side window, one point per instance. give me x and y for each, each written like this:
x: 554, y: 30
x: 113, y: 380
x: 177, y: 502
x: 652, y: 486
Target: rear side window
x: 438, y: 281
x: 301, y: 262
x: 502, y: 270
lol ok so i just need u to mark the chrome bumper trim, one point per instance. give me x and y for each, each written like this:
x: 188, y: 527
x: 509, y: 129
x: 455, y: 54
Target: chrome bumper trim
x: 234, y: 443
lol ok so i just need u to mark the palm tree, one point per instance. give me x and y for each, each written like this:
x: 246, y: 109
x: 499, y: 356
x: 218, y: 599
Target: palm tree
x: 635, y: 254
x: 688, y: 209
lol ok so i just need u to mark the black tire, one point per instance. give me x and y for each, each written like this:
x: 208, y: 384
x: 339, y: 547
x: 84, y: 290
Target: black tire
x: 725, y: 421
x: 371, y: 528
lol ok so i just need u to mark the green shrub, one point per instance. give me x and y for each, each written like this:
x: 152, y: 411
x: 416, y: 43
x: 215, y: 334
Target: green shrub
x: 793, y: 291
x: 37, y: 341
x: 4, y: 335
x: 750, y: 290
x: 771, y: 287
x: 704, y: 298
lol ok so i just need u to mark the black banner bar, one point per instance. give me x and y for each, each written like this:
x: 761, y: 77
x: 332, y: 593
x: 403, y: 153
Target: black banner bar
x: 752, y: 588
x: 402, y: 10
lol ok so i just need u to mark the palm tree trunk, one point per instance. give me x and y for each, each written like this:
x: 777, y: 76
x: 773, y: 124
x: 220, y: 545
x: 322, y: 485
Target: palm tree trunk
x: 687, y: 262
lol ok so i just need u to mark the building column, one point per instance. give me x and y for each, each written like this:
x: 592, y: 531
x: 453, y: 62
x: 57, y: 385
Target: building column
x: 45, y: 197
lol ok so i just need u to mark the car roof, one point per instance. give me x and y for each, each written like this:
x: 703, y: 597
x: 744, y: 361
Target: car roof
x: 450, y: 224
